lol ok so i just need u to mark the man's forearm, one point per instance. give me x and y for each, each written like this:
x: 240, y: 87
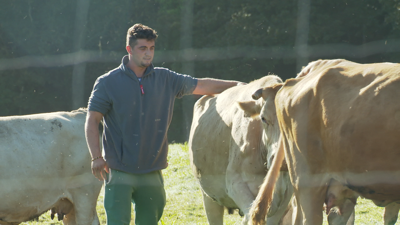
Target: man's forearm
x: 92, y: 138
x: 210, y: 86
x: 222, y: 85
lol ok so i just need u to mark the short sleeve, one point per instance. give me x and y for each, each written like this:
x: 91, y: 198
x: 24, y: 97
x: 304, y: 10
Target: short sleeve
x: 99, y: 100
x: 183, y: 84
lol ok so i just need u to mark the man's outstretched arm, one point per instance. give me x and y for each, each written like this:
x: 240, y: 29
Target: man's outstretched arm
x: 210, y: 86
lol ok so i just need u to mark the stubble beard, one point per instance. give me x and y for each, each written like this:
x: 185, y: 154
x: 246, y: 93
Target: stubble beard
x: 144, y: 64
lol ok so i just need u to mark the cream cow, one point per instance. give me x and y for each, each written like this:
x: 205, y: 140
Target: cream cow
x: 229, y: 151
x: 45, y: 165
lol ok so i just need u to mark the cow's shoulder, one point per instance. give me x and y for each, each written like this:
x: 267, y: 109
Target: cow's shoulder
x: 202, y: 104
x: 323, y: 82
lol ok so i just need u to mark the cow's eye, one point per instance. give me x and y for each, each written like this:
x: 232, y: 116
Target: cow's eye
x: 263, y: 119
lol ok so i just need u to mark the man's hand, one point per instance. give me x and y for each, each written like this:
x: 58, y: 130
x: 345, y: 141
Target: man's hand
x: 99, y: 169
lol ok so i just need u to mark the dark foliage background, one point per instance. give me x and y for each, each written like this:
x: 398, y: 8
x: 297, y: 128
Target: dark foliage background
x: 44, y: 43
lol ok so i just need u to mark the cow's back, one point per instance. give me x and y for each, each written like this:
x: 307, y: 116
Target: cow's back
x: 35, y: 143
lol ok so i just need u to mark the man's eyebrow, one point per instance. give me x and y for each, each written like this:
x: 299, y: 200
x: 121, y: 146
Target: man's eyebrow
x: 146, y: 46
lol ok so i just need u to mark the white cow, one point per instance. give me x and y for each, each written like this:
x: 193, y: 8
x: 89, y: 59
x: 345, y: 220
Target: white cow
x: 45, y: 165
x: 229, y: 151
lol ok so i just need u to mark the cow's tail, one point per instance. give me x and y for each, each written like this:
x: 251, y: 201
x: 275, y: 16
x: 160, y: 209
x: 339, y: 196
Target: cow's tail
x: 263, y: 201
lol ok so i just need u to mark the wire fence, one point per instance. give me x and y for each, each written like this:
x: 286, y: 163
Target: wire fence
x: 206, y: 54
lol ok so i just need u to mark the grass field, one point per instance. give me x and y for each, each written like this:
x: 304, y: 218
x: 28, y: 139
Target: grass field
x: 184, y: 199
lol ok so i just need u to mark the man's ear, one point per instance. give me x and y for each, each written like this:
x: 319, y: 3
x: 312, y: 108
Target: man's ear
x: 250, y: 108
x: 128, y: 49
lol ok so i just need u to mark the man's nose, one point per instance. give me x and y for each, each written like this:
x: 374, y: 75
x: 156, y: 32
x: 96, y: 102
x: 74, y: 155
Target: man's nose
x: 148, y: 52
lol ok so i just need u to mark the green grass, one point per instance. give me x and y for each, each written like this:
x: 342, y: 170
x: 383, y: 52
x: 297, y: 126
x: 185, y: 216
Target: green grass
x: 185, y: 204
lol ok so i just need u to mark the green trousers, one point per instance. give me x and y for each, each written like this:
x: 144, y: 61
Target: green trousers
x: 146, y: 191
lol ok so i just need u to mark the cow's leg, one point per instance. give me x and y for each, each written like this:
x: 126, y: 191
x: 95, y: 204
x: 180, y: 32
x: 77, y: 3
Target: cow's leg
x: 391, y: 213
x: 84, y: 200
x: 239, y: 191
x: 346, y: 217
x: 214, y: 211
x: 310, y: 196
x: 297, y: 218
x: 69, y: 219
x: 288, y: 216
x: 310, y: 206
x: 352, y: 218
x: 310, y: 192
x: 280, y: 205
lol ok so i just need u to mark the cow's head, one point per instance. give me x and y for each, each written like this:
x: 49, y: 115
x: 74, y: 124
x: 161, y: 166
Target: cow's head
x: 263, y: 105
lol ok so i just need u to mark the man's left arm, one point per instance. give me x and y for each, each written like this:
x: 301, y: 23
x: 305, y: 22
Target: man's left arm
x: 210, y: 86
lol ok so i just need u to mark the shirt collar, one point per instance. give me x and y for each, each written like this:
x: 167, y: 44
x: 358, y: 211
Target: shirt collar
x: 149, y: 70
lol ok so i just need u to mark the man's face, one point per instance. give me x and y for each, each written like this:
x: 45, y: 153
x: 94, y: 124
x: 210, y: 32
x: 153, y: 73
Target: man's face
x: 142, y: 53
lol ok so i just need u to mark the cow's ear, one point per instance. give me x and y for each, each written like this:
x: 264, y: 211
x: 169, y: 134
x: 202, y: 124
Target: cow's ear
x: 257, y: 94
x: 266, y: 91
x: 250, y: 108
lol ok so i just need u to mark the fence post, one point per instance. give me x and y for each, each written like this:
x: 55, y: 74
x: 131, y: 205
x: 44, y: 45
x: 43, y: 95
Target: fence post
x: 187, y: 66
x: 303, y: 28
x: 78, y: 72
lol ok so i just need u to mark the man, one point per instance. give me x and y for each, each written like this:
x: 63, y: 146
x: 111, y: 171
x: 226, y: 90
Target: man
x: 135, y: 102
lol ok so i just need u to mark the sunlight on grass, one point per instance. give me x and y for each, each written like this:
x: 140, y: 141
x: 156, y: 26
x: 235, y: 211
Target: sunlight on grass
x: 184, y: 198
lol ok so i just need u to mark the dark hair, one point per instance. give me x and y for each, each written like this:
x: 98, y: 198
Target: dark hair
x: 140, y: 31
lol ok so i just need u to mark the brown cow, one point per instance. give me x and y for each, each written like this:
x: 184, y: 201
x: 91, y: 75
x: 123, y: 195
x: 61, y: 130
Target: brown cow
x: 340, y: 121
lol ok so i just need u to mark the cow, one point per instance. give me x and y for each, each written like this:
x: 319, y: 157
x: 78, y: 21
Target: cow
x: 339, y: 122
x: 45, y: 165
x: 229, y: 152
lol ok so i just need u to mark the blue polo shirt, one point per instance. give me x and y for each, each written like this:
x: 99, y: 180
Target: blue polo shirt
x: 137, y: 115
